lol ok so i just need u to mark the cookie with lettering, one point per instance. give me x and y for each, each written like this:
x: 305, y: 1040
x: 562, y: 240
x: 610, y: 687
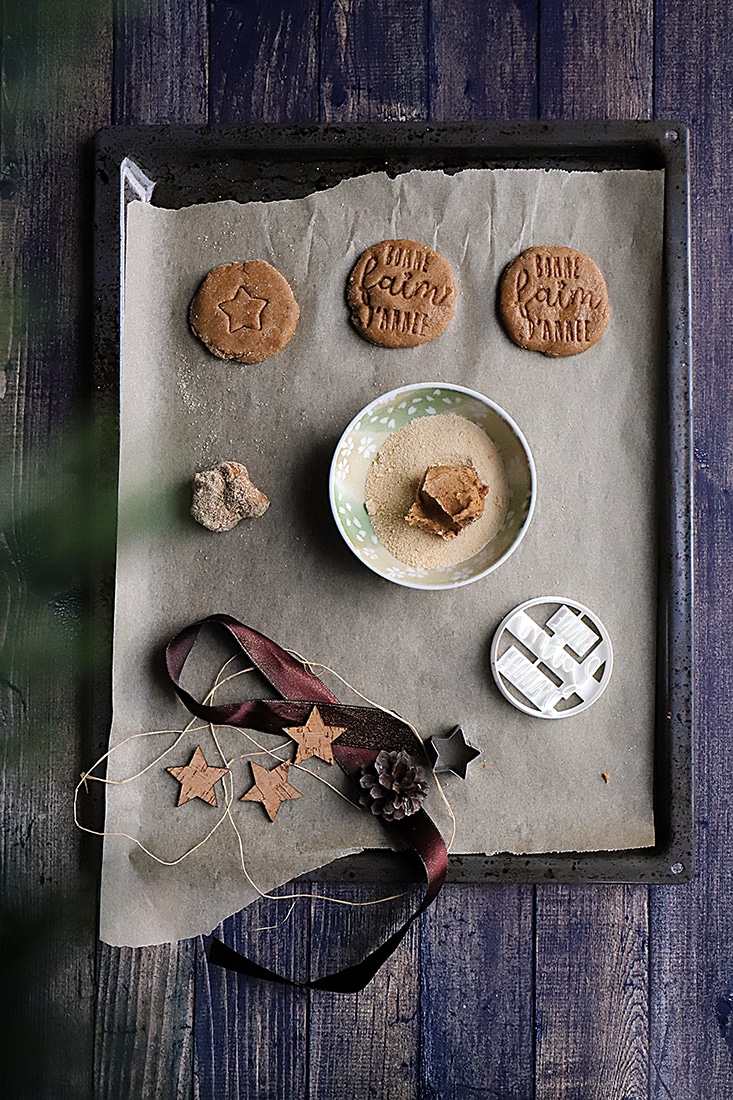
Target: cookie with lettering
x: 401, y: 294
x: 244, y: 311
x: 554, y: 300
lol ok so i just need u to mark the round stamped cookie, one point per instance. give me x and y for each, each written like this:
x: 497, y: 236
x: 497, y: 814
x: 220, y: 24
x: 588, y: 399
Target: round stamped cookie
x: 244, y: 311
x: 401, y: 294
x: 554, y: 299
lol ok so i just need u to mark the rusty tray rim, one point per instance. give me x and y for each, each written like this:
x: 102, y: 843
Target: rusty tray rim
x: 203, y: 164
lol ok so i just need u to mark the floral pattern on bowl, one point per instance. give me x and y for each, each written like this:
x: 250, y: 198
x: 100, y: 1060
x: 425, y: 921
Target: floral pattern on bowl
x: 358, y: 447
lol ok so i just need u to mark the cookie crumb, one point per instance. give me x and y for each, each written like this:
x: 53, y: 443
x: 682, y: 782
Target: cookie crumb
x: 399, y: 469
x: 605, y: 776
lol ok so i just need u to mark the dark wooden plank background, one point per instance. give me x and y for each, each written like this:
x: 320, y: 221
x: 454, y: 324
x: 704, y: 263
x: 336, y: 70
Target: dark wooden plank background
x: 508, y: 993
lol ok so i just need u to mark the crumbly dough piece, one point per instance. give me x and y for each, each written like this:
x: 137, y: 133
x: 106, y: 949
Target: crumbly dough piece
x: 554, y: 300
x: 244, y: 311
x: 401, y: 294
x: 225, y: 495
x: 449, y: 498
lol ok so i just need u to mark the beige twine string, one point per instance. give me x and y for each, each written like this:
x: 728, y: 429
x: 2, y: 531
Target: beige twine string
x: 228, y: 785
x: 311, y: 666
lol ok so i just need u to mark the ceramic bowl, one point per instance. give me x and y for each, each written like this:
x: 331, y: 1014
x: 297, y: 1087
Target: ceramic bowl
x: 367, y: 432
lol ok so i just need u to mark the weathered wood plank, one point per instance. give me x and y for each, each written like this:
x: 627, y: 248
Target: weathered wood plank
x: 373, y: 60
x: 55, y: 64
x: 484, y: 60
x: 596, y: 60
x: 592, y: 993
x: 477, y: 948
x: 373, y: 66
x: 692, y: 925
x: 365, y: 1044
x: 251, y: 1036
x: 144, y: 1004
x: 161, y: 61
x: 477, y: 994
x: 264, y: 62
x: 592, y: 944
x: 144, y: 1027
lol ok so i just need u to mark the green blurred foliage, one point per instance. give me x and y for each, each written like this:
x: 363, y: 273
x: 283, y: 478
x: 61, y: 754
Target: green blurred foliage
x: 58, y: 513
x: 57, y: 485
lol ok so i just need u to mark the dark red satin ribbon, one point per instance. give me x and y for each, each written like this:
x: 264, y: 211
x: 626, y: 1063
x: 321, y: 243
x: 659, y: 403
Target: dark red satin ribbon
x: 367, y: 731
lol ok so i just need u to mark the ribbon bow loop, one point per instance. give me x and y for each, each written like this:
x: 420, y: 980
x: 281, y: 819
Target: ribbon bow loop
x: 366, y: 731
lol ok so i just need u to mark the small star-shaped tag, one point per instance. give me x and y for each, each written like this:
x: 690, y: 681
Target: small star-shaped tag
x: 197, y: 779
x: 271, y: 788
x: 243, y: 310
x: 314, y: 738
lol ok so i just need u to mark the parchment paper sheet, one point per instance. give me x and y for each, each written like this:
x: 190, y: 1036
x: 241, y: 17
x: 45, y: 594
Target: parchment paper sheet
x: 591, y: 423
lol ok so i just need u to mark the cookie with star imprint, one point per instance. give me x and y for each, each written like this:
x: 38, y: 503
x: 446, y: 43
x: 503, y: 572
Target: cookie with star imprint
x: 244, y: 311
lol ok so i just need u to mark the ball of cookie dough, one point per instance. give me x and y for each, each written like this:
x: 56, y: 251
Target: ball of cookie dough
x: 225, y: 495
x: 401, y: 294
x: 554, y: 300
x: 448, y: 500
x: 244, y: 311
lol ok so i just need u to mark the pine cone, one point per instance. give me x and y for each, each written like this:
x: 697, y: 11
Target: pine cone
x: 393, y: 787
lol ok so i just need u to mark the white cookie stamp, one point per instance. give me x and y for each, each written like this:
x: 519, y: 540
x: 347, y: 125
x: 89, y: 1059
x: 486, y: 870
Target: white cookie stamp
x: 554, y: 662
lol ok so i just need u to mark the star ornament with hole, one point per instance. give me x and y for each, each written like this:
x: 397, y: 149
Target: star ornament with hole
x: 271, y: 788
x: 197, y: 779
x: 315, y: 738
x: 243, y: 310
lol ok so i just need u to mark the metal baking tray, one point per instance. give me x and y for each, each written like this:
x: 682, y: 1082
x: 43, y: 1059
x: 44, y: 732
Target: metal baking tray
x: 190, y: 165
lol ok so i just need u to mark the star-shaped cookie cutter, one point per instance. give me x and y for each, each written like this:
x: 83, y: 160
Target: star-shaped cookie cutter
x: 451, y: 753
